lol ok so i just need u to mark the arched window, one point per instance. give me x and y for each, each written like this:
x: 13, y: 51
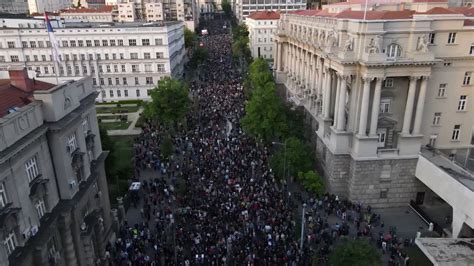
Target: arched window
x: 394, y: 50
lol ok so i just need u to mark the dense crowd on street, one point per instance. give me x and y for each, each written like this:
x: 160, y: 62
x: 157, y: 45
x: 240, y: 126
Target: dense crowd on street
x: 233, y: 211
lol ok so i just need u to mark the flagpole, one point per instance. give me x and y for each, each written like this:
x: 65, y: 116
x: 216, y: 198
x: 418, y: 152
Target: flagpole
x: 365, y: 9
x: 56, y: 64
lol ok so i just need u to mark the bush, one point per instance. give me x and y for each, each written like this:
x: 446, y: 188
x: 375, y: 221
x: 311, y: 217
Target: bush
x: 312, y: 182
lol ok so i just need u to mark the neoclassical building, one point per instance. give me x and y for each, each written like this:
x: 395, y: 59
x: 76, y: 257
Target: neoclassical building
x: 377, y: 87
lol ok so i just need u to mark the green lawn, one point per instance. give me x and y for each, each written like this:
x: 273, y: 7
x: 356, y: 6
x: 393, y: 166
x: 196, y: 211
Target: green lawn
x: 123, y: 167
x: 110, y: 116
x: 115, y: 125
x: 123, y: 150
x: 116, y: 110
x: 138, y: 102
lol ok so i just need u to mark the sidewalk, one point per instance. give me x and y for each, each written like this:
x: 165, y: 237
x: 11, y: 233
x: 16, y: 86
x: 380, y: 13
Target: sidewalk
x: 131, y: 130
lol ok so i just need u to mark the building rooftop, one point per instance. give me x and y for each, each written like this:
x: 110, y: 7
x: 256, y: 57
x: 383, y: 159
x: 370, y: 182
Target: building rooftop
x: 103, y: 9
x: 119, y: 24
x: 17, y: 91
x: 264, y: 15
x: 448, y: 251
x: 384, y: 14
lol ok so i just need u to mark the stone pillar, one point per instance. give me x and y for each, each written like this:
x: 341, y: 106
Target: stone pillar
x: 320, y: 77
x: 121, y: 208
x: 327, y: 94
x: 279, y: 55
x: 375, y: 107
x: 336, y: 100
x: 409, y: 105
x: 40, y: 255
x: 67, y: 240
x: 341, y: 116
x: 364, y: 108
x: 315, y: 75
x: 420, y: 105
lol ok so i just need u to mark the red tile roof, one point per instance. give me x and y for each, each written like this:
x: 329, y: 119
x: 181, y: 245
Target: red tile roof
x: 264, y: 15
x: 12, y: 96
x: 467, y: 11
x: 469, y: 22
x: 430, y: 1
x: 103, y: 9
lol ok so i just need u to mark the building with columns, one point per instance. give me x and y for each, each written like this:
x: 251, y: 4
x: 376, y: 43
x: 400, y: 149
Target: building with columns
x: 378, y: 88
x: 243, y: 8
x: 54, y: 202
x: 125, y: 60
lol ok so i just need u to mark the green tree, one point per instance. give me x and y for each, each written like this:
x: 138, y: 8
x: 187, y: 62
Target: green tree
x: 166, y: 148
x: 199, y: 55
x: 265, y: 117
x: 312, y: 182
x: 108, y: 145
x: 355, y: 253
x: 169, y: 102
x: 227, y: 8
x: 259, y: 73
x: 189, y: 37
x: 298, y: 158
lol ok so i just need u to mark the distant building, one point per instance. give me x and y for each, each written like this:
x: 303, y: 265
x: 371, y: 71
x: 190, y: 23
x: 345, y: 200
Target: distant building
x: 40, y: 6
x: 262, y: 26
x: 54, y: 202
x: 243, y: 8
x: 125, y: 60
x: 102, y: 14
x: 14, y: 6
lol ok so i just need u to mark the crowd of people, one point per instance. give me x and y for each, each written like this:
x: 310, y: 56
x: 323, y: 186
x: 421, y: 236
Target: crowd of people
x: 215, y: 201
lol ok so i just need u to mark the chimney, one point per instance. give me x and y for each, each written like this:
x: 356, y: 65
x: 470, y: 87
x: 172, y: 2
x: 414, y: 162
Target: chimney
x: 19, y: 78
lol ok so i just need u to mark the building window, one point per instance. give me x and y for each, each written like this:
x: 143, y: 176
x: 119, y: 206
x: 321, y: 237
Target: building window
x: 436, y: 118
x: 24, y: 44
x: 125, y: 81
x: 65, y: 43
x: 385, y: 106
x: 462, y: 103
x: 455, y: 135
x: 158, y: 41
x: 27, y: 58
x: 394, y: 50
x: 73, y: 43
x: 96, y: 43
x: 112, y: 42
x: 31, y: 169
x: 384, y: 193
x: 10, y: 243
x: 146, y: 42
x: 107, y: 67
x: 147, y: 67
x: 71, y: 143
x: 101, y: 80
x: 442, y: 90
x: 80, y: 43
x: 85, y: 126
x: 40, y: 208
x: 109, y: 81
x: 467, y: 78
x: 388, y: 83
x: 3, y: 196
x: 149, y: 80
x: 119, y: 93
x: 135, y: 68
x: 105, y: 43
x: 160, y: 68
x: 14, y: 58
x: 132, y: 42
x: 88, y: 43
x: 447, y: 64
x: 94, y: 81
x: 133, y: 55
x: 120, y: 42
x: 452, y: 37
x: 431, y: 38
x: 123, y: 68
x: 148, y: 92
x: 471, y: 50
x: 146, y: 55
x: 115, y: 68
x: 125, y: 92
x: 138, y: 93
x: 137, y: 81
x: 11, y: 44
x: 159, y: 55
x: 111, y: 93
x: 117, y: 81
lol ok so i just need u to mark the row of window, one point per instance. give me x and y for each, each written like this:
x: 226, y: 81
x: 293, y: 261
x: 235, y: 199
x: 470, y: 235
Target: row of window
x: 148, y: 81
x: 265, y: 39
x: 86, y: 43
x: 125, y: 93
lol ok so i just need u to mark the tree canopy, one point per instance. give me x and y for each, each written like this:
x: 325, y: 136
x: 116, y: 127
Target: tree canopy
x: 189, y: 37
x: 356, y: 253
x: 169, y: 102
x: 226, y: 8
x: 312, y: 182
x: 240, y: 44
x: 298, y: 158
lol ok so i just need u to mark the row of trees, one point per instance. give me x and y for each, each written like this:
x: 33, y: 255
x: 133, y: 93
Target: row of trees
x: 268, y: 119
x: 240, y: 45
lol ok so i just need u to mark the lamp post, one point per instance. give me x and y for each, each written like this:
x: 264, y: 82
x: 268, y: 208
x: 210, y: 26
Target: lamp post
x: 302, y: 228
x: 285, y: 176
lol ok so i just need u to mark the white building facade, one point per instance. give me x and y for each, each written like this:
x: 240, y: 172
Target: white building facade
x: 376, y: 91
x: 262, y: 27
x: 103, y: 14
x: 125, y: 61
x: 40, y: 6
x: 243, y: 8
x: 14, y: 6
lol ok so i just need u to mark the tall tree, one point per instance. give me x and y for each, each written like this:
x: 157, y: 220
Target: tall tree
x: 227, y: 8
x: 295, y: 158
x: 189, y: 37
x: 259, y: 73
x: 265, y: 116
x: 312, y: 182
x: 169, y: 102
x: 356, y: 253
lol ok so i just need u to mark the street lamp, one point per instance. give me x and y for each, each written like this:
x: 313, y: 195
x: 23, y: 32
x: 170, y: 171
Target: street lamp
x: 302, y: 228
x: 285, y: 176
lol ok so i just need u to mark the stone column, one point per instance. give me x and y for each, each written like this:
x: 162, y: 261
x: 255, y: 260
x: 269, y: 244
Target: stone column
x: 315, y: 75
x: 409, y: 105
x: 364, y: 108
x: 327, y: 94
x: 341, y: 116
x: 420, y: 105
x: 336, y: 100
x: 66, y: 239
x: 375, y: 107
x: 320, y: 77
x: 279, y: 55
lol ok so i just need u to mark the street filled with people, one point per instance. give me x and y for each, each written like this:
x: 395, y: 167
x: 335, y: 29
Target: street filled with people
x: 217, y: 202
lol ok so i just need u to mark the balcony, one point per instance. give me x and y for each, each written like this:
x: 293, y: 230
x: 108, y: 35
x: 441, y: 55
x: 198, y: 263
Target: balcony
x: 6, y: 212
